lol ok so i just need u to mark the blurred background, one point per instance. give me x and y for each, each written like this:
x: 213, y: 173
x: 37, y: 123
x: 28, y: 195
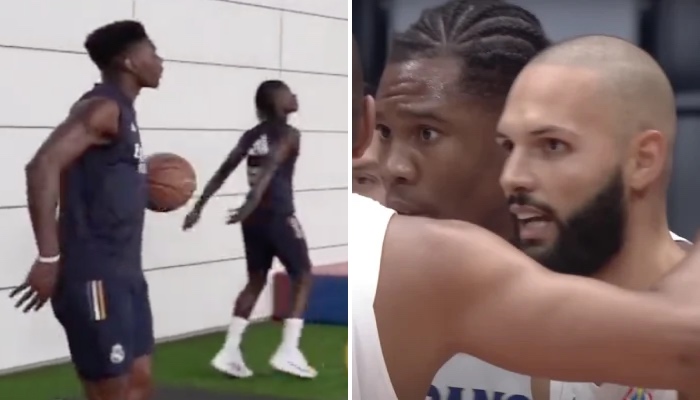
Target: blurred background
x: 667, y: 29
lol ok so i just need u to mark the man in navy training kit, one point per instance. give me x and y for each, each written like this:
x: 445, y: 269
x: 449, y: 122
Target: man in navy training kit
x: 270, y: 228
x: 89, y: 261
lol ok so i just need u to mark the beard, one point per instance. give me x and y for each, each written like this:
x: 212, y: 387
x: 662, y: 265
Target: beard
x: 589, y: 239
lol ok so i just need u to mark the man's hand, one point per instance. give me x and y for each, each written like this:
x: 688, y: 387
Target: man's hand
x: 38, y: 287
x: 192, y: 218
x: 237, y: 215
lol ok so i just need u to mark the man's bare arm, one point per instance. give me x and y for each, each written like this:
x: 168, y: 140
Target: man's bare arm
x: 501, y: 306
x: 91, y: 122
x: 539, y: 388
x: 233, y: 159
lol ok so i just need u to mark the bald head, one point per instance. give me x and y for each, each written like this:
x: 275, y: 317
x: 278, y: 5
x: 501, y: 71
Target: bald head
x: 629, y: 79
x: 588, y: 126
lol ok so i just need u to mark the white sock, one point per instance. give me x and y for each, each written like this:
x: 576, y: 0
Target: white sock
x: 292, y: 332
x: 235, y: 333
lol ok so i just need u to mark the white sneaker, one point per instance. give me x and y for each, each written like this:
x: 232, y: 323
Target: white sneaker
x: 293, y: 362
x: 231, y: 363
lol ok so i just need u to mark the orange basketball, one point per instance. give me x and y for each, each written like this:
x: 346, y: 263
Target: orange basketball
x: 171, y: 182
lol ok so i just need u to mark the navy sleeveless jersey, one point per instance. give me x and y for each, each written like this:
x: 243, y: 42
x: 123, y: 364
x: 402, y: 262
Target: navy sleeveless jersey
x: 103, y: 202
x: 261, y: 142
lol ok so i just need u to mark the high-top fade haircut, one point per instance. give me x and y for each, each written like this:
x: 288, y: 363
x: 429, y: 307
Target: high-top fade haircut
x: 108, y: 42
x: 492, y: 38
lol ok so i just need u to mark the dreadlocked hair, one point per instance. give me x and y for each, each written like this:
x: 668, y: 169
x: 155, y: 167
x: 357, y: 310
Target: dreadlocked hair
x: 265, y: 98
x: 493, y: 39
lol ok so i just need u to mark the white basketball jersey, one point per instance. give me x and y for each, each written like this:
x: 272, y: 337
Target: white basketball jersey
x: 368, y: 225
x: 608, y: 391
x: 465, y: 377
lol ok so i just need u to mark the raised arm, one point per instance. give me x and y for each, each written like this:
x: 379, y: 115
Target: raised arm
x: 91, y: 122
x: 501, y: 306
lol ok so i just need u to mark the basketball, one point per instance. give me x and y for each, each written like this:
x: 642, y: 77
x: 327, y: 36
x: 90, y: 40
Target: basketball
x: 171, y: 182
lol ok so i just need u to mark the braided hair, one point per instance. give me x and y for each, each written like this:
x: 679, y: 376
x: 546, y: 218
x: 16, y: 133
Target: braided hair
x: 493, y: 39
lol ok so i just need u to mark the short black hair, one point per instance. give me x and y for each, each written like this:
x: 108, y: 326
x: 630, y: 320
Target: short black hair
x: 265, y: 100
x: 494, y: 40
x: 107, y: 42
x: 370, y: 90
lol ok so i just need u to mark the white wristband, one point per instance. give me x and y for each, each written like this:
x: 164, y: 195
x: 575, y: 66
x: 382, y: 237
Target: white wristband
x: 49, y: 260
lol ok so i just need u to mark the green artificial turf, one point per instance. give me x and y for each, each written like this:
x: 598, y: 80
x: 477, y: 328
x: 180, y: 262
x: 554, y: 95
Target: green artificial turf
x: 186, y: 364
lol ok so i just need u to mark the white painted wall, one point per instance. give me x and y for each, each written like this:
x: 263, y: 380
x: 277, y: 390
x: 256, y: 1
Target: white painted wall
x: 217, y: 53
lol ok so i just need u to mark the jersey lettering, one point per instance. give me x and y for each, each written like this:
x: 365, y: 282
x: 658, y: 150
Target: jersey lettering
x: 260, y: 147
x: 458, y: 393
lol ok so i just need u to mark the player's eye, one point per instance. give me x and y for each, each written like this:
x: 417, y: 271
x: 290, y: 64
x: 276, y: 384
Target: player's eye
x: 555, y: 146
x: 365, y: 180
x: 384, y: 131
x: 429, y: 134
x: 506, y: 144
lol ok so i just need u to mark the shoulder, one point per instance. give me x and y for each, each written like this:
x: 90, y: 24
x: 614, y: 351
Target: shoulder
x: 95, y: 105
x: 251, y: 134
x: 99, y: 114
x: 444, y: 240
x: 441, y: 252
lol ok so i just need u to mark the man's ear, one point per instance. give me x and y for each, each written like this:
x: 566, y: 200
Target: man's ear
x: 366, y: 129
x: 647, y: 159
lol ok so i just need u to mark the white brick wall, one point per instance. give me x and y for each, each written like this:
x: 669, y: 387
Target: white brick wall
x: 216, y: 52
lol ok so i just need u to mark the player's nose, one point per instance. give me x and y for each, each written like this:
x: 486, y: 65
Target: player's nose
x: 517, y: 174
x: 399, y: 167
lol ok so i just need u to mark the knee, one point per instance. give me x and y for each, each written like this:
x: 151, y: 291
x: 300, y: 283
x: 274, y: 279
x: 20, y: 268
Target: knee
x: 300, y: 277
x: 116, y: 388
x: 256, y: 284
x: 141, y: 379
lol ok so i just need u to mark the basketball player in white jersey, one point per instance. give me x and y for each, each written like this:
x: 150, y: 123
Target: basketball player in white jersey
x: 443, y: 161
x: 426, y: 289
x: 589, y: 125
x: 438, y: 103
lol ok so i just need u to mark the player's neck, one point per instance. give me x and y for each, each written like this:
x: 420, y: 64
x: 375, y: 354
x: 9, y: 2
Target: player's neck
x: 648, y: 253
x: 277, y: 117
x: 126, y: 86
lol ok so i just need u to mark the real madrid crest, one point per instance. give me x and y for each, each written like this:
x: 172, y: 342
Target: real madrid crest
x: 117, y: 354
